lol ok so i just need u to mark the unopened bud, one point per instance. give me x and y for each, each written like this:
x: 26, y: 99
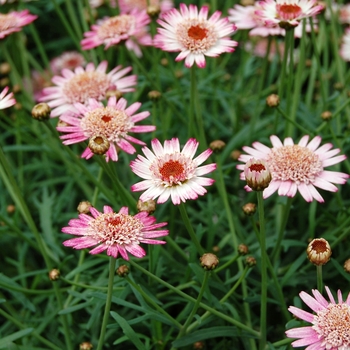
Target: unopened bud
x: 153, y: 10
x: 164, y: 62
x: 217, y: 145
x: 5, y: 68
x: 319, y: 251
x: 209, y: 261
x: 216, y: 249
x: 84, y: 207
x: 243, y: 249
x: 198, y: 345
x: 154, y: 95
x: 257, y: 174
x: 326, y: 115
x: 86, y: 346
x: 347, y: 266
x: 41, y: 111
x: 123, y: 270
x: 247, y: 2
x: 149, y: 206
x: 250, y: 261
x: 273, y: 100
x: 54, y: 274
x: 235, y: 154
x: 249, y: 209
x: 114, y: 92
x: 98, y: 145
x: 10, y: 209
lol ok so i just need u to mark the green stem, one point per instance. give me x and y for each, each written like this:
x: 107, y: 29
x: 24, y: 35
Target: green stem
x: 108, y: 303
x: 193, y: 300
x: 263, y: 304
x: 227, y: 263
x: 319, y: 278
x: 189, y: 228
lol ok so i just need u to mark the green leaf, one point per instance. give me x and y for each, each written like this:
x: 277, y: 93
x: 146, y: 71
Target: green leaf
x: 5, y: 342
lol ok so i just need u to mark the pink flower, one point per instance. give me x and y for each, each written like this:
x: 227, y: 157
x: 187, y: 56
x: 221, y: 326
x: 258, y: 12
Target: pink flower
x: 330, y: 324
x: 171, y: 173
x: 81, y: 85
x: 117, y: 233
x: 129, y: 28
x: 14, y: 21
x: 194, y: 35
x: 67, y: 60
x: 345, y: 46
x: 287, y: 13
x: 297, y: 167
x: 6, y: 101
x: 112, y: 122
x: 129, y: 5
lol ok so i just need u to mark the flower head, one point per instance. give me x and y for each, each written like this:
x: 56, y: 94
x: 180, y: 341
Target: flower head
x: 14, y: 21
x: 286, y: 13
x: 297, y: 167
x: 6, y: 101
x: 113, y: 123
x: 171, y: 173
x: 80, y: 85
x: 194, y: 35
x: 67, y: 60
x: 117, y: 233
x: 319, y: 251
x: 127, y: 27
x: 330, y: 324
x: 257, y: 174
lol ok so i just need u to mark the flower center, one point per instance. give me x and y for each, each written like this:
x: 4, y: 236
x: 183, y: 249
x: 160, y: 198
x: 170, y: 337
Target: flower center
x: 294, y: 163
x: 116, y: 26
x: 86, y: 85
x: 196, y: 36
x: 332, y: 324
x: 111, y: 123
x: 114, y: 228
x: 7, y: 21
x: 173, y: 169
x: 288, y: 11
x: 257, y: 167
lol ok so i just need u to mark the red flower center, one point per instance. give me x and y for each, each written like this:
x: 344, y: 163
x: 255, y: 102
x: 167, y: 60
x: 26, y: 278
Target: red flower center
x: 197, y: 33
x: 257, y: 167
x: 171, y: 169
x: 115, y: 221
x: 288, y: 12
x: 106, y: 118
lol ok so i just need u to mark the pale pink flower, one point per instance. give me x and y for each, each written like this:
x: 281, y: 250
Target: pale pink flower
x: 113, y: 122
x: 117, y: 233
x: 345, y: 46
x: 67, y: 60
x: 6, y: 101
x: 286, y: 13
x: 194, y: 35
x: 341, y: 12
x: 169, y: 172
x: 14, y: 21
x: 297, y: 167
x: 82, y: 84
x: 128, y: 5
x: 330, y: 323
x: 129, y: 28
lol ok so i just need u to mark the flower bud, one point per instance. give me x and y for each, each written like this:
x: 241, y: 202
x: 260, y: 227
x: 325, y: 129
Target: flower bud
x: 5, y: 68
x: 54, y: 274
x: 85, y: 346
x: 250, y: 261
x: 41, y: 111
x: 153, y: 10
x: 249, y: 209
x: 148, y: 206
x: 257, y: 174
x: 319, y: 251
x: 209, y: 261
x: 243, y: 249
x: 217, y: 145
x: 10, y: 209
x: 114, y: 92
x: 326, y: 115
x: 98, y: 145
x: 123, y: 270
x: 154, y: 95
x: 347, y: 266
x: 235, y: 154
x: 198, y: 345
x: 84, y: 207
x: 273, y: 100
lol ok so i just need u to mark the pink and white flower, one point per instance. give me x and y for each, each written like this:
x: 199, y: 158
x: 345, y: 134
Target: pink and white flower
x: 297, y: 167
x: 128, y: 27
x: 129, y: 5
x: 330, y: 323
x: 80, y: 85
x: 169, y: 172
x: 117, y: 233
x: 287, y: 13
x: 113, y: 122
x: 6, y: 101
x: 14, y: 21
x: 67, y: 60
x: 194, y: 35
x: 345, y: 46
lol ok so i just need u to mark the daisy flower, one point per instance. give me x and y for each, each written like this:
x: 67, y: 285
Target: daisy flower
x: 14, y: 21
x: 80, y: 85
x: 345, y: 46
x: 67, y: 60
x: 297, y: 167
x: 6, y: 101
x: 117, y: 233
x: 194, y: 35
x: 112, y: 122
x: 130, y: 27
x: 162, y: 5
x: 169, y: 172
x: 330, y: 323
x: 286, y: 13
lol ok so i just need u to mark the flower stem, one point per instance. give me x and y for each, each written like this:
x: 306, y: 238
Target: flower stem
x: 319, y: 278
x: 189, y: 228
x: 263, y: 304
x: 108, y: 303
